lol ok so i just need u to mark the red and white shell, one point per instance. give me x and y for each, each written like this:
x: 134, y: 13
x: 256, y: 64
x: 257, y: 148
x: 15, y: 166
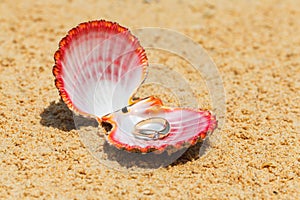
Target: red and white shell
x: 98, y: 67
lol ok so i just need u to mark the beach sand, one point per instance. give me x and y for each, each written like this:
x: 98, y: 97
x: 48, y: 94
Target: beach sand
x: 256, y: 153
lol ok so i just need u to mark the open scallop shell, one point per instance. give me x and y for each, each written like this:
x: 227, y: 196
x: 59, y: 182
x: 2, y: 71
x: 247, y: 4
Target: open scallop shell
x: 98, y: 67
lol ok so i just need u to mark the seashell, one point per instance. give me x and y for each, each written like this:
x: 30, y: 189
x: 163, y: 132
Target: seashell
x: 98, y: 67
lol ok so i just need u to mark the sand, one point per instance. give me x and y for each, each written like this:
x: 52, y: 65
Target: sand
x: 256, y: 154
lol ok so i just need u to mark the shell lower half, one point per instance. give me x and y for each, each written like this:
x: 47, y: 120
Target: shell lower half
x: 187, y: 126
x: 98, y: 67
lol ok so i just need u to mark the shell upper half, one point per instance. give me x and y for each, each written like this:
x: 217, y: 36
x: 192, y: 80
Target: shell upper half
x: 98, y: 67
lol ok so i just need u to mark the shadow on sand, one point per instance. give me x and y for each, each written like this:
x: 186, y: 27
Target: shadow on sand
x: 58, y: 115
x: 152, y: 160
